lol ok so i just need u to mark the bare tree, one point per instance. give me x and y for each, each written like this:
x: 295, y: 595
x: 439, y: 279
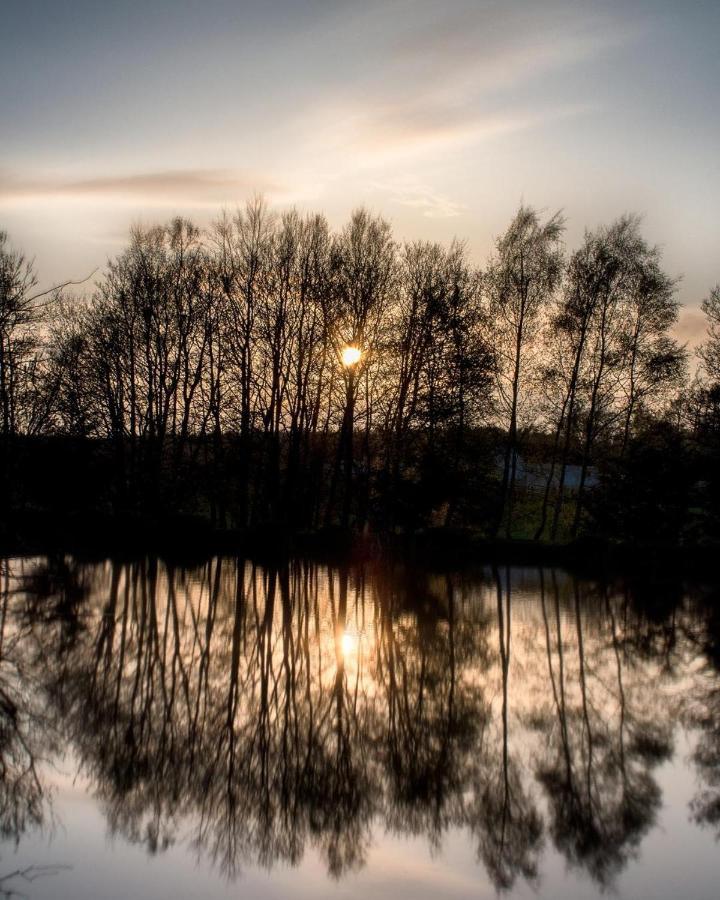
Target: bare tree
x: 520, y: 281
x: 709, y: 352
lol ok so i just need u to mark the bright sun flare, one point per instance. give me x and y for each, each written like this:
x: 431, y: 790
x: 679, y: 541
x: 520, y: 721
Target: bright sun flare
x: 350, y: 355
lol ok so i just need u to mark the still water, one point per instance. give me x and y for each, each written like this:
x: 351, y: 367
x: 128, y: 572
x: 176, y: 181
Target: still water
x: 227, y: 729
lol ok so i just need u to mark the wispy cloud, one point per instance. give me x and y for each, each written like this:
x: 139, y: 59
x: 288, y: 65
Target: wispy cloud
x: 500, y: 45
x: 451, y: 81
x: 389, y: 139
x: 430, y: 203
x: 170, y: 186
x: 388, y: 135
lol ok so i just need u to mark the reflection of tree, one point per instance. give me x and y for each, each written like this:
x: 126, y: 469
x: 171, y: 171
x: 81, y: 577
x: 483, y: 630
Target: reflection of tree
x: 222, y: 711
x: 703, y: 714
x: 272, y: 709
x: 26, y: 732
x: 433, y: 720
x: 11, y: 882
x: 504, y: 815
x: 597, y: 766
x: 342, y: 790
x: 705, y: 805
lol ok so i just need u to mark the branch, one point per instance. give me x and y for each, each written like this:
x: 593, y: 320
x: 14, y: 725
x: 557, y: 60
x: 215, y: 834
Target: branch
x: 60, y: 287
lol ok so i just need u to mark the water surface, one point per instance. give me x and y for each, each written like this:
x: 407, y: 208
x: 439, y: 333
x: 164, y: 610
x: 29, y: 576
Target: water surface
x: 227, y: 729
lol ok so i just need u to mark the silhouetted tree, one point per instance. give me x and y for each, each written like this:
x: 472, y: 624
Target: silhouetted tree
x: 709, y: 352
x: 520, y: 280
x: 204, y: 376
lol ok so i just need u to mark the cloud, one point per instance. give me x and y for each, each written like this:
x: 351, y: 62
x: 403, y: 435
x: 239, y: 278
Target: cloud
x: 439, y: 129
x: 430, y: 203
x: 173, y: 186
x: 381, y: 137
x: 458, y: 80
x: 500, y: 46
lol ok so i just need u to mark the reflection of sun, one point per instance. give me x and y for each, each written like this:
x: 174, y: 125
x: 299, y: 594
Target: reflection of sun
x: 348, y: 644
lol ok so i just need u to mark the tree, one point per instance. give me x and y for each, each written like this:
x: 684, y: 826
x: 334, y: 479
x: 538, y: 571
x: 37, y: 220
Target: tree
x: 141, y: 348
x: 363, y: 273
x: 242, y: 248
x: 631, y: 356
x: 591, y: 272
x: 653, y: 361
x: 610, y: 357
x: 709, y: 352
x: 19, y: 313
x: 520, y: 281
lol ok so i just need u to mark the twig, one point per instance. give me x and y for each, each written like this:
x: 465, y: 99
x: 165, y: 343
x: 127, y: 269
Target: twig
x: 60, y: 287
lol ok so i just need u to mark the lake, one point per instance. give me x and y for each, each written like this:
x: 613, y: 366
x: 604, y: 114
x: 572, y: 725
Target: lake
x: 226, y: 729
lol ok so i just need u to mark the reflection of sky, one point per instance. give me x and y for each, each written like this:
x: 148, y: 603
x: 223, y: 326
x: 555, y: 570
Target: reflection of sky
x: 442, y: 116
x: 676, y: 860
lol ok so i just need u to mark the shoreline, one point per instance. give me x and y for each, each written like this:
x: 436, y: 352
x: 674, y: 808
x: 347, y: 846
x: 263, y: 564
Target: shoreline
x: 93, y: 536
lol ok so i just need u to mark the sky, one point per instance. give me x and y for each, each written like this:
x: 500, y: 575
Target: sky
x: 442, y: 116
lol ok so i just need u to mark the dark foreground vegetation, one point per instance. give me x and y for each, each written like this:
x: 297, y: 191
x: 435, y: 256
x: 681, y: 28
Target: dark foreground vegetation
x: 206, y: 379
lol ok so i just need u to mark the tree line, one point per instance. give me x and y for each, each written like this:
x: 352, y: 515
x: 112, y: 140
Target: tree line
x: 206, y: 374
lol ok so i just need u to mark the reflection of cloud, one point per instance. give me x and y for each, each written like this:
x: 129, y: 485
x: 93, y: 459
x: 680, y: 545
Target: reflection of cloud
x: 173, y: 185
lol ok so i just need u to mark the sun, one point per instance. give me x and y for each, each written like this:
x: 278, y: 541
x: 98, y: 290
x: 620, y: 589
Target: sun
x: 350, y: 355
